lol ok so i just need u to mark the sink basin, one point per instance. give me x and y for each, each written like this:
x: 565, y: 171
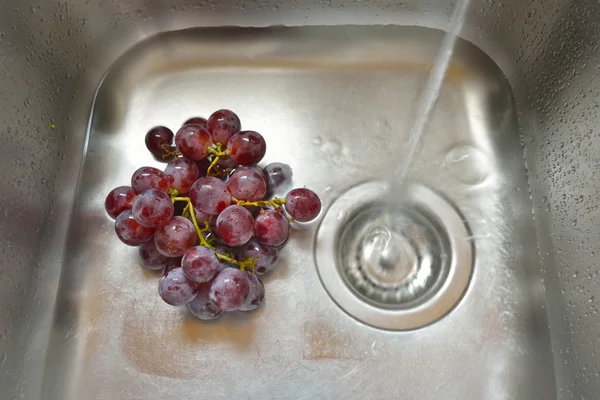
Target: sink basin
x: 507, y: 163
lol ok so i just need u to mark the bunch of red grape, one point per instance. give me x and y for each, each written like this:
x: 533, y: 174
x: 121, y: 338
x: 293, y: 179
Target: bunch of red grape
x: 211, y: 221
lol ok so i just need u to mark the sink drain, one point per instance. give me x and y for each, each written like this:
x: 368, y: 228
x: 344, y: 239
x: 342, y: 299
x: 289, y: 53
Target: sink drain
x: 399, y: 266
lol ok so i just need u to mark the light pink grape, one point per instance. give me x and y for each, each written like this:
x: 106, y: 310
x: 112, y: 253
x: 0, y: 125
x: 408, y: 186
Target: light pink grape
x: 150, y: 178
x: 184, y: 173
x: 200, y: 264
x: 130, y: 231
x: 256, y: 295
x: 175, y: 288
x: 153, y: 208
x: 210, y: 195
x: 235, y: 226
x: 176, y: 237
x: 247, y: 184
x: 201, y: 307
x: 230, y: 289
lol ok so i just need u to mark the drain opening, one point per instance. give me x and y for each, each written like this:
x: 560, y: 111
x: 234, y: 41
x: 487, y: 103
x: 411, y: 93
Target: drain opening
x: 394, y: 268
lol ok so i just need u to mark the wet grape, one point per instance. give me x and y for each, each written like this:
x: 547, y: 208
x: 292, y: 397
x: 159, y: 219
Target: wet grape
x: 176, y: 237
x: 184, y: 173
x: 150, y: 178
x: 157, y: 138
x: 150, y: 257
x: 223, y: 124
x: 266, y: 257
x: 118, y: 200
x: 193, y: 142
x: 210, y: 195
x: 200, y: 264
x: 247, y: 184
x: 303, y: 205
x: 235, y: 225
x: 247, y: 147
x: 271, y: 228
x: 230, y: 289
x: 279, y: 178
x: 153, y: 208
x: 130, y: 231
x: 175, y: 288
x: 201, y: 307
x: 256, y: 295
x: 196, y: 121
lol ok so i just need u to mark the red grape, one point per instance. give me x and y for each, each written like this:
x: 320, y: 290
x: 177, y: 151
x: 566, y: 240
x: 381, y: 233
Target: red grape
x: 175, y: 288
x: 247, y: 147
x: 200, y: 264
x: 303, y: 205
x: 196, y: 121
x: 158, y: 137
x: 223, y: 124
x: 257, y: 293
x: 118, y: 200
x: 271, y: 228
x: 230, y: 289
x: 153, y: 208
x: 235, y: 225
x: 150, y: 178
x: 184, y: 173
x: 193, y: 142
x: 176, y: 237
x: 201, y: 306
x: 247, y: 184
x: 130, y: 231
x: 265, y: 257
x: 150, y: 257
x: 210, y: 195
x: 279, y: 177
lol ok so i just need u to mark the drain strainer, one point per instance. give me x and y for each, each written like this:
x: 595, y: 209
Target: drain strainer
x: 398, y: 265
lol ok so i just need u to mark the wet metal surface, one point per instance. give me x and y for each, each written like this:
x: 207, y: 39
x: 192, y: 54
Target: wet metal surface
x: 327, y: 100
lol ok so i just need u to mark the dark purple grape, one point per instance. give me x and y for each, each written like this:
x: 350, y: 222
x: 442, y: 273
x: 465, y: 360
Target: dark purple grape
x: 235, y: 226
x: 175, y: 288
x: 193, y: 142
x: 176, y: 237
x: 196, y: 121
x: 247, y: 184
x: 223, y: 124
x: 265, y: 257
x: 279, y: 178
x: 230, y: 289
x: 303, y: 205
x: 157, y: 138
x: 271, y: 228
x: 201, y: 307
x: 184, y: 173
x: 210, y: 195
x: 130, y: 231
x: 153, y: 208
x: 118, y: 200
x: 257, y: 293
x: 200, y: 264
x: 150, y: 257
x: 150, y: 178
x: 247, y: 147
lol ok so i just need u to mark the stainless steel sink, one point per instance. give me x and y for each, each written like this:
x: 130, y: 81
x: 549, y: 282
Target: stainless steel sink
x: 510, y: 155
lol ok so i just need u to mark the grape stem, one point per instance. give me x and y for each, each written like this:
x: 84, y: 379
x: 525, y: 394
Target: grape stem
x: 247, y: 263
x: 275, y: 203
x: 217, y: 153
x: 167, y: 152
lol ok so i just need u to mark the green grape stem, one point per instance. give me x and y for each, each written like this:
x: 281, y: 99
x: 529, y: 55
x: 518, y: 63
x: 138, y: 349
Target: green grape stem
x: 168, y: 153
x: 275, y: 203
x: 247, y: 263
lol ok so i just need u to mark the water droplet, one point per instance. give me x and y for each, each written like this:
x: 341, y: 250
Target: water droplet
x: 544, y: 199
x: 468, y: 164
x: 318, y: 140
